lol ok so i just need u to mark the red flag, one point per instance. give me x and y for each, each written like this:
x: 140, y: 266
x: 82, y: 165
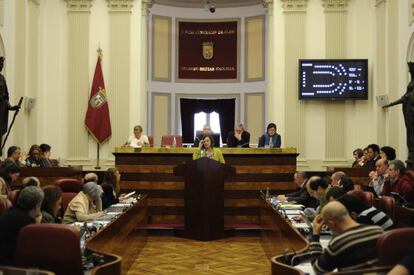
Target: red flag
x: 97, y: 119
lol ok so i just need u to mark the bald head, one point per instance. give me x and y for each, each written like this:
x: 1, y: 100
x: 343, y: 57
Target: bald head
x: 335, y: 212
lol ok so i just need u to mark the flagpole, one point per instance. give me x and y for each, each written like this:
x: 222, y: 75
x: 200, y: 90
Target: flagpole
x: 97, y: 157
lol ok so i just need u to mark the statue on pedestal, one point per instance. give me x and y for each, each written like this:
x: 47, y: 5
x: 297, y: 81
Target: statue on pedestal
x: 407, y: 101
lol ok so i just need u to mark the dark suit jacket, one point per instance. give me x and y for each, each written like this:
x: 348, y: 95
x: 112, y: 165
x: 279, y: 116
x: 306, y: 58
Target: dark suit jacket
x: 302, y: 196
x: 233, y: 142
x: 276, y: 139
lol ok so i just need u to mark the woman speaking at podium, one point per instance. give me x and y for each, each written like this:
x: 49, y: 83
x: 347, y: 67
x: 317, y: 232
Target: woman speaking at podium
x: 206, y: 150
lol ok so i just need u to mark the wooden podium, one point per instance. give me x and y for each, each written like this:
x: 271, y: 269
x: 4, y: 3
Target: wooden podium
x: 204, y: 198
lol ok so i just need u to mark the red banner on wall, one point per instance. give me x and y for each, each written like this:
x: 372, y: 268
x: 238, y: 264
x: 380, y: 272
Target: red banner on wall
x: 207, y: 50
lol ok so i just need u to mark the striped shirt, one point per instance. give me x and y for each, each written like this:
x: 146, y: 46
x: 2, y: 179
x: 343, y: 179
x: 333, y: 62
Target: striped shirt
x: 373, y: 216
x: 354, y: 249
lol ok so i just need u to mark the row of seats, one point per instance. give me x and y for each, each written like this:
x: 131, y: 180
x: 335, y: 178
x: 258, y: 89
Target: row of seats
x: 68, y: 261
x: 70, y: 188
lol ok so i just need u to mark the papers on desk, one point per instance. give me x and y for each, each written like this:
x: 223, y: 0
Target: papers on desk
x: 287, y: 206
x: 121, y: 204
x: 292, y: 212
x: 113, y: 213
x: 129, y: 194
x: 300, y: 225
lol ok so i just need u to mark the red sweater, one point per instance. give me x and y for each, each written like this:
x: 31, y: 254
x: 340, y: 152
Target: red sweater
x: 403, y: 186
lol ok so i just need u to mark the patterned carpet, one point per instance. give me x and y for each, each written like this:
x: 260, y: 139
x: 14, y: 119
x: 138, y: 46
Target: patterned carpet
x: 173, y: 255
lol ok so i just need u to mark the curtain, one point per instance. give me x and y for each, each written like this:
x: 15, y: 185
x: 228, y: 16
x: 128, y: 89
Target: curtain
x: 224, y: 107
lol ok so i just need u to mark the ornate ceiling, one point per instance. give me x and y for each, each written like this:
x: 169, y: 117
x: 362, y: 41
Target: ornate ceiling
x: 201, y: 3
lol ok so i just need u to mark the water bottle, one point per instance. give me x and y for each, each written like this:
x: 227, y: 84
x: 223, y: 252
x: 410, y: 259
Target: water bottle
x: 174, y: 144
x: 267, y: 194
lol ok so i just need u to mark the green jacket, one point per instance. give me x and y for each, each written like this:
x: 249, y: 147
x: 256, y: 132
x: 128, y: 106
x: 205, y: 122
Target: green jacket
x: 218, y: 156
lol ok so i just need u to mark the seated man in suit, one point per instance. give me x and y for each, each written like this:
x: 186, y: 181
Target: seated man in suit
x: 206, y: 132
x: 301, y: 195
x: 353, y: 247
x: 239, y: 137
x: 271, y: 138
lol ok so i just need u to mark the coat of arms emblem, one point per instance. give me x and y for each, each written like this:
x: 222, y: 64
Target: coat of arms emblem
x: 208, y: 50
x: 98, y: 99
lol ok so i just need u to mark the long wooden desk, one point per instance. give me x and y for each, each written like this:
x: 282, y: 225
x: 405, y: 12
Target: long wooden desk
x: 121, y: 240
x: 150, y: 171
x: 48, y: 175
x: 280, y: 238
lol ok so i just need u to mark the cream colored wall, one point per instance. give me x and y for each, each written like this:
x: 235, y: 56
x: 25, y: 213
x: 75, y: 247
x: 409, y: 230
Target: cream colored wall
x: 41, y: 49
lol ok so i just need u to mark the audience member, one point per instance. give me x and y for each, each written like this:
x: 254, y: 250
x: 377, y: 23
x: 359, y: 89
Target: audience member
x: 138, y: 139
x: 398, y: 181
x: 9, y: 173
x: 346, y: 183
x: 93, y: 177
x: 4, y: 190
x: 334, y: 193
x: 206, y: 132
x: 27, y: 211
x: 82, y: 208
x: 207, y: 149
x: 239, y: 137
x: 336, y: 177
x: 34, y: 159
x: 387, y: 153
x: 373, y: 154
x: 301, y: 195
x: 271, y: 138
x: 111, y: 188
x: 364, y: 214
x: 378, y: 176
x: 31, y: 181
x: 90, y: 177
x: 45, y: 151
x: 14, y: 156
x: 319, y: 189
x: 359, y: 158
x: 52, y: 204
x: 353, y: 247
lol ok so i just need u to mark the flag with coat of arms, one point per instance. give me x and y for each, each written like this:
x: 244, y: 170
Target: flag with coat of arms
x: 97, y: 120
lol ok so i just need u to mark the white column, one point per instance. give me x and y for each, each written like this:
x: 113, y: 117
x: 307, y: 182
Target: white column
x: 295, y: 46
x: 335, y: 45
x: 119, y: 70
x: 78, y: 80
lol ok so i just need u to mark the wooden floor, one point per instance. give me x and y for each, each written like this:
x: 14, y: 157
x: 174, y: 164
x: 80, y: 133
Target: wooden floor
x: 173, y: 255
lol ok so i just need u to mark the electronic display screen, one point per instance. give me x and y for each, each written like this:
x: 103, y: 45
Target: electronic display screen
x: 333, y: 79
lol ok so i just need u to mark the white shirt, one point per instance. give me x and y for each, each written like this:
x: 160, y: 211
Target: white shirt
x: 134, y: 142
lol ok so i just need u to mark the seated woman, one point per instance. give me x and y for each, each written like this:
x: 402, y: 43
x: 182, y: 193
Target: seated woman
x: 35, y: 158
x: 138, y: 139
x: 52, y: 204
x: 270, y: 138
x: 111, y: 187
x: 82, y: 207
x: 206, y: 149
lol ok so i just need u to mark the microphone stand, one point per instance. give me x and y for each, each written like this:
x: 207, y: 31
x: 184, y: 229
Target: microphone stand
x: 11, y: 125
